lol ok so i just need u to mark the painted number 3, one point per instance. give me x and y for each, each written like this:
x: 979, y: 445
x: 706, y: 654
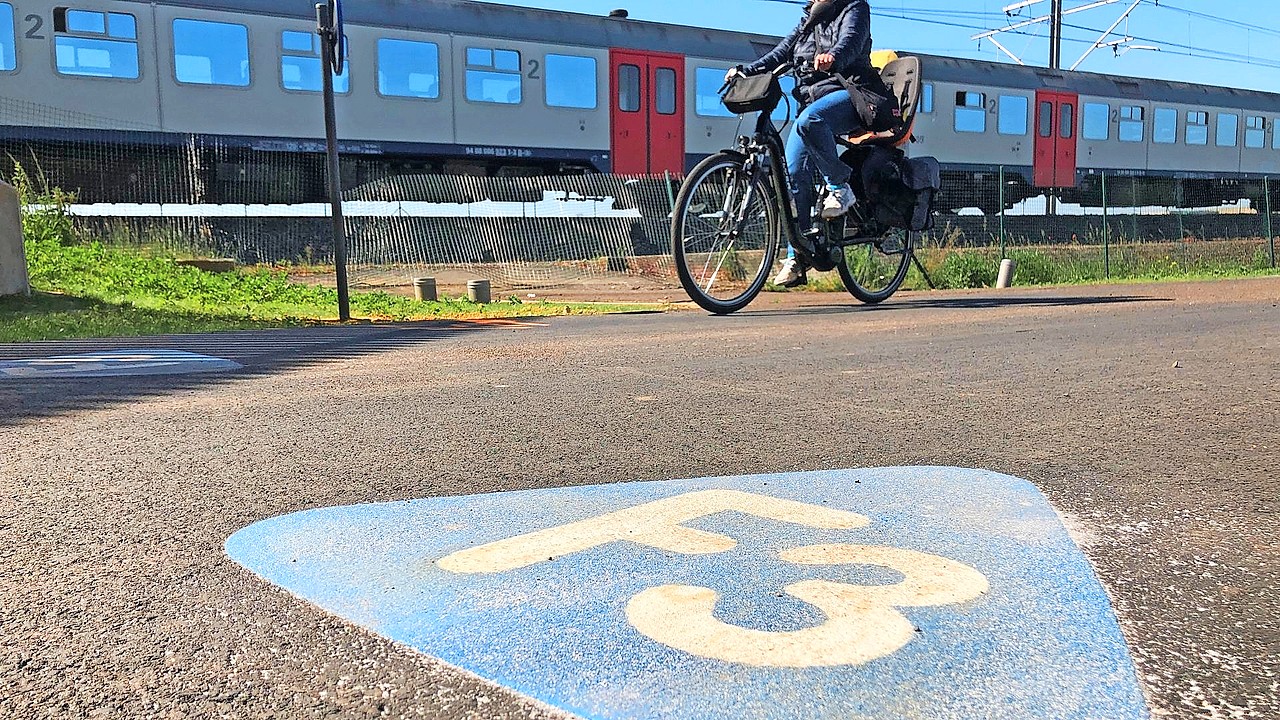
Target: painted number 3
x: 863, y: 622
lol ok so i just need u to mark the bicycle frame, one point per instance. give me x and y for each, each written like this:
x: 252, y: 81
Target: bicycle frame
x: 768, y: 138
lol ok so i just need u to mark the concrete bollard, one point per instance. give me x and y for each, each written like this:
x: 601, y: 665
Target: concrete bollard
x: 478, y: 291
x: 1007, y: 269
x: 424, y: 289
x: 13, y: 257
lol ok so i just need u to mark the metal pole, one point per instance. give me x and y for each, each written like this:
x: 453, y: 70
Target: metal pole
x: 1106, y: 231
x: 1271, y: 238
x: 1134, y: 201
x: 1002, y: 255
x: 1055, y: 36
x: 335, y: 170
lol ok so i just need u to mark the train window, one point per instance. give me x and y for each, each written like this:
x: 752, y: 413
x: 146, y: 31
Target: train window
x: 1228, y: 127
x: 1197, y: 127
x: 408, y: 68
x: 1255, y: 132
x: 629, y: 88
x: 508, y: 60
x: 90, y: 22
x: 665, y: 91
x: 8, y: 45
x: 1046, y: 119
x: 571, y: 82
x: 971, y: 112
x: 707, y: 82
x: 1165, y: 131
x: 95, y: 44
x: 210, y: 53
x: 294, y: 41
x: 1275, y: 136
x: 84, y: 21
x: 1097, y: 121
x: 1013, y: 115
x: 120, y: 25
x: 926, y: 98
x: 1067, y: 125
x: 300, y: 65
x: 1132, y: 123
x: 493, y: 76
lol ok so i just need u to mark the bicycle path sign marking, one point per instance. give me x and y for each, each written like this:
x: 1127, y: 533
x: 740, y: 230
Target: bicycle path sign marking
x: 900, y: 592
x: 114, y: 363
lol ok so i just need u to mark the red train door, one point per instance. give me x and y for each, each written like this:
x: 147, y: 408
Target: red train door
x: 647, y: 112
x: 1056, y: 131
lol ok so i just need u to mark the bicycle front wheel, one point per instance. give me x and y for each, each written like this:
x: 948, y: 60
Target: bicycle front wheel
x: 724, y: 234
x: 873, y: 269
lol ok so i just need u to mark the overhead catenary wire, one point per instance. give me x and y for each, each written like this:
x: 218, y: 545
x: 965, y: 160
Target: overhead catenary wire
x: 928, y: 16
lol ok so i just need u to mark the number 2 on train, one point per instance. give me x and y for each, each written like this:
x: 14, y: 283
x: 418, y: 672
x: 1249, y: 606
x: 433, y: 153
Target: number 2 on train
x: 33, y: 32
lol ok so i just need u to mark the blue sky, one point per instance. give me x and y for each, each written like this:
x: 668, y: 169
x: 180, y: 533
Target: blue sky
x: 1203, y: 41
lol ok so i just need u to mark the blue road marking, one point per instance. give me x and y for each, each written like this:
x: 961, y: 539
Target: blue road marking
x: 115, y: 363
x: 890, y: 593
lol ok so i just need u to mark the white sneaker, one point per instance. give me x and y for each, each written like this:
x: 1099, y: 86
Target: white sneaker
x: 837, y: 202
x: 792, y: 274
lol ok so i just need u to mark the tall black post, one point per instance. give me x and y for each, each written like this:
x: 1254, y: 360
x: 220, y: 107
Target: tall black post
x: 1055, y: 36
x: 326, y: 31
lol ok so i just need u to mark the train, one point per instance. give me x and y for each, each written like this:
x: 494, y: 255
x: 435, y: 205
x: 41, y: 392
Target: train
x: 457, y: 87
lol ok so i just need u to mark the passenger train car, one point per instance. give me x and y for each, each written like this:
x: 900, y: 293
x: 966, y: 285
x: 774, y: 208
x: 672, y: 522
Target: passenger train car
x: 463, y: 87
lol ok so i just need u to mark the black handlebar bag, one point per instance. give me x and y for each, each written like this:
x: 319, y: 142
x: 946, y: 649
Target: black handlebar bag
x: 752, y: 93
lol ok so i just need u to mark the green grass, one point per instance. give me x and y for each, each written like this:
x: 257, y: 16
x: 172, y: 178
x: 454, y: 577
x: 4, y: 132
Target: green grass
x: 88, y: 289
x: 47, y: 316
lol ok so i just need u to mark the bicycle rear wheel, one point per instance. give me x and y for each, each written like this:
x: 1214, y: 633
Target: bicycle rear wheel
x: 724, y: 234
x: 873, y: 268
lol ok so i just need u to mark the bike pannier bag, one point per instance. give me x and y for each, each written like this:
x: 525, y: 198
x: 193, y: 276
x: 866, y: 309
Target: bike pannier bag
x: 752, y: 93
x: 903, y: 189
x: 923, y: 176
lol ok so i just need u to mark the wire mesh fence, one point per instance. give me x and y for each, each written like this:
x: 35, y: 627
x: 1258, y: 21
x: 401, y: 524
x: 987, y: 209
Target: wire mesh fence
x: 263, y: 202
x: 1114, y: 225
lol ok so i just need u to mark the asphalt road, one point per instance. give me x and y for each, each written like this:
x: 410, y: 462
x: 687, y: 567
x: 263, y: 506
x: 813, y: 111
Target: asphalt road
x: 1148, y: 414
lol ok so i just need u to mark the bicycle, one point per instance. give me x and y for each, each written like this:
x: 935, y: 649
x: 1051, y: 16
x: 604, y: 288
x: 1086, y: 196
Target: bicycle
x: 734, y: 208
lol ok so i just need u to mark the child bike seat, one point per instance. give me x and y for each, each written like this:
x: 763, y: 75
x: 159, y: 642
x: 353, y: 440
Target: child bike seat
x: 902, y: 76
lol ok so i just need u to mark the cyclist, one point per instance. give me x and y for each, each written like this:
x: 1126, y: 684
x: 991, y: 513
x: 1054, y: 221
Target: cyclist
x: 840, y: 93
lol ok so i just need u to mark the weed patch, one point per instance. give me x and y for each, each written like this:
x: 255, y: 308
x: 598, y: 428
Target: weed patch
x: 84, y: 288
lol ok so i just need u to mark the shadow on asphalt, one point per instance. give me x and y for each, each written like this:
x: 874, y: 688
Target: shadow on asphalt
x: 261, y: 352
x: 963, y: 303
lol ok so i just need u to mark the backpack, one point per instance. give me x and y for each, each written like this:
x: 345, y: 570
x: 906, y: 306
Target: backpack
x: 902, y: 189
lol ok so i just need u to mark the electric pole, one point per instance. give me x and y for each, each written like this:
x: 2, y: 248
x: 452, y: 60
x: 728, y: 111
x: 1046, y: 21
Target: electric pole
x: 1053, y: 18
x: 1055, y: 36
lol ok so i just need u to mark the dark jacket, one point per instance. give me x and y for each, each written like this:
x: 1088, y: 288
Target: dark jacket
x: 847, y: 36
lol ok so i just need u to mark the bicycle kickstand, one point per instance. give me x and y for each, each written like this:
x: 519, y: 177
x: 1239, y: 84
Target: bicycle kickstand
x: 920, y: 267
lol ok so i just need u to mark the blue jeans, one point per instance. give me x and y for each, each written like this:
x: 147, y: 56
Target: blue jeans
x: 812, y: 148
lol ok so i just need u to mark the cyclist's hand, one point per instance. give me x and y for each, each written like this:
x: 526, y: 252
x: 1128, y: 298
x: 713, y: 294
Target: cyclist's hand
x: 824, y: 62
x: 733, y: 73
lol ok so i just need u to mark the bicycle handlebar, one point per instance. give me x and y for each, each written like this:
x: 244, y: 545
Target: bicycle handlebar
x: 778, y: 72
